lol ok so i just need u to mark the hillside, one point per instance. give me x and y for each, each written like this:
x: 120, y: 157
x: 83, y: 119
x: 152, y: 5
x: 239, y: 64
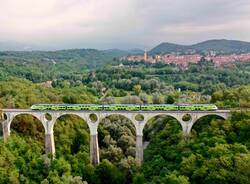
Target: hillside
x: 219, y: 46
x: 214, y: 148
x: 90, y: 58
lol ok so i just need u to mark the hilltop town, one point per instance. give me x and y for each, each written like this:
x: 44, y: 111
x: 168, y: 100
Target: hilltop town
x: 185, y: 59
x: 221, y: 52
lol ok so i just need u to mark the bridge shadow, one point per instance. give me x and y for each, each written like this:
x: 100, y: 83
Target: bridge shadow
x: 117, y: 138
x: 161, y: 133
x: 71, y: 134
x: 29, y: 127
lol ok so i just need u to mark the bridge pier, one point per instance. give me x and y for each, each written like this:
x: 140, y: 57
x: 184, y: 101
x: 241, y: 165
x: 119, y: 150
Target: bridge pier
x: 139, y: 125
x: 49, y: 134
x: 186, y: 127
x: 94, y: 146
x: 6, y: 130
x: 50, y: 145
x: 139, y: 148
x: 6, y: 125
x: 94, y: 150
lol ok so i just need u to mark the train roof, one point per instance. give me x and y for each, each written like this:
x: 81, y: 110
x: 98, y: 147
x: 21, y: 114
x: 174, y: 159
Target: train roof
x: 128, y: 104
x: 69, y: 104
x: 121, y: 104
x: 159, y: 105
x: 195, y: 104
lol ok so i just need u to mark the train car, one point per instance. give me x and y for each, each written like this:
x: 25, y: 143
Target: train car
x: 186, y: 107
x: 121, y: 107
x: 125, y: 107
x: 35, y: 107
x: 197, y: 107
x: 67, y: 107
x: 42, y: 107
x: 87, y: 107
x: 159, y: 107
x: 205, y: 107
x: 49, y: 107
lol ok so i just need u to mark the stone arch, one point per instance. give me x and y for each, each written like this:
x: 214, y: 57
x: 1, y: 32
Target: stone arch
x: 223, y: 116
x: 55, y: 117
x: 199, y: 117
x: 80, y: 130
x: 169, y: 123
x: 126, y: 116
x: 127, y: 149
x: 151, y: 116
x: 12, y: 117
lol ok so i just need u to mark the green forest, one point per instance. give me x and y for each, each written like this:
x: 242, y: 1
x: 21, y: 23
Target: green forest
x: 217, y: 151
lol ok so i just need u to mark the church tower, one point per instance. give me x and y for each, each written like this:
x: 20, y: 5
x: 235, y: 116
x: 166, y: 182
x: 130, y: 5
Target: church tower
x: 145, y: 55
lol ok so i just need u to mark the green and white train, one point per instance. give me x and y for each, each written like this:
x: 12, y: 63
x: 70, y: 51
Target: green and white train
x: 125, y: 107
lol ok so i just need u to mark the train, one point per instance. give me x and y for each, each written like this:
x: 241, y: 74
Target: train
x: 125, y: 107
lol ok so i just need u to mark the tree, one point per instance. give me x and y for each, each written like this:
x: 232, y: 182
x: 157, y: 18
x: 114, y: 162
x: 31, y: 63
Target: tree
x: 108, y: 100
x: 173, y: 178
x: 169, y: 99
x: 137, y: 89
x: 131, y: 100
x: 107, y: 173
x: 139, y: 179
x: 144, y: 98
x: 157, y: 99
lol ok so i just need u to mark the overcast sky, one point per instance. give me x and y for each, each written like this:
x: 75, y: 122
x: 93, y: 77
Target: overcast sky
x: 104, y: 24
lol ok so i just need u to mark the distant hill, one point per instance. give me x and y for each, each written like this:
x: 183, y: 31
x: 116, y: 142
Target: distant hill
x: 90, y: 58
x: 219, y: 46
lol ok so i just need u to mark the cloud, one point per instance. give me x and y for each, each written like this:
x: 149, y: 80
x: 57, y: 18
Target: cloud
x: 121, y: 23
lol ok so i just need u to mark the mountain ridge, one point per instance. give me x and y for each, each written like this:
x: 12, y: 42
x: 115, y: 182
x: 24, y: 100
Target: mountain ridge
x: 219, y: 45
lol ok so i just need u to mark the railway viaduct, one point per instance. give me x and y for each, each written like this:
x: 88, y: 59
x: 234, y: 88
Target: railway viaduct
x: 48, y: 124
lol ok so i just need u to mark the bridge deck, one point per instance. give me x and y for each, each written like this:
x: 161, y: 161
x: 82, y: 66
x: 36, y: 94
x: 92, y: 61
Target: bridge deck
x: 87, y: 111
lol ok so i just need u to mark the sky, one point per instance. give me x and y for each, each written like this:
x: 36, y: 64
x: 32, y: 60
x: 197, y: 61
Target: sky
x: 124, y: 24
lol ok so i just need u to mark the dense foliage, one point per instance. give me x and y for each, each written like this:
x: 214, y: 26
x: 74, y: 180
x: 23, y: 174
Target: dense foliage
x: 204, y: 77
x: 217, y: 151
x: 39, y: 66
